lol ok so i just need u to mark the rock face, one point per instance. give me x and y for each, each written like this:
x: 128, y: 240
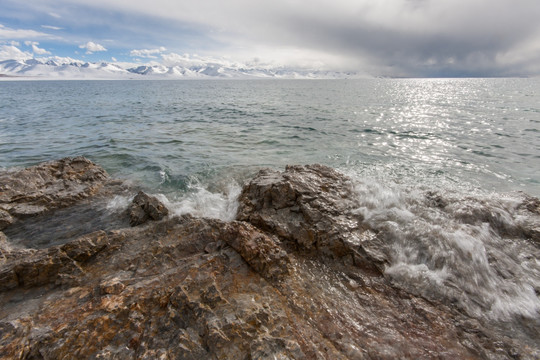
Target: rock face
x: 48, y: 186
x: 311, y: 207
x: 295, y: 277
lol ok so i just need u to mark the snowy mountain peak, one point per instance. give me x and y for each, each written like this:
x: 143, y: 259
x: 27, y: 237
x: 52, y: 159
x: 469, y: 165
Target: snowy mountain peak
x: 67, y: 68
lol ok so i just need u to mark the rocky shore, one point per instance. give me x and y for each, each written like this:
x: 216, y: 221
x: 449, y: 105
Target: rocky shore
x: 297, y: 275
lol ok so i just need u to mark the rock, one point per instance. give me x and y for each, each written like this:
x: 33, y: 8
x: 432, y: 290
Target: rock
x: 30, y: 268
x: 113, y: 287
x: 5, y: 219
x: 196, y: 288
x: 144, y: 208
x: 5, y: 248
x: 165, y: 296
x: 259, y: 250
x: 48, y: 186
x: 312, y: 206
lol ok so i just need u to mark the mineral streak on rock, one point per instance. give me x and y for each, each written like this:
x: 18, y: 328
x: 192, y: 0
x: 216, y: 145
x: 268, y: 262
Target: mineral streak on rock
x: 300, y: 280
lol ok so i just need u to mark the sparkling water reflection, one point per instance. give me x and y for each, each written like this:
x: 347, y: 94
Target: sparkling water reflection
x: 474, y: 132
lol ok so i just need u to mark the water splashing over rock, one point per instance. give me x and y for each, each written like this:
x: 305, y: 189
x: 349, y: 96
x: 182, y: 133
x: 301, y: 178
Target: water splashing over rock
x: 316, y: 266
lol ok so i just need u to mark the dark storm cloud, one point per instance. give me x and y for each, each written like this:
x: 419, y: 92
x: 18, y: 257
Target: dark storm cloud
x: 417, y: 41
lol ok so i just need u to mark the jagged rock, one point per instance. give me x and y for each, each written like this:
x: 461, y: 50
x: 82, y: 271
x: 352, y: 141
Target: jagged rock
x: 144, y: 208
x: 48, y: 186
x: 311, y: 206
x: 195, y: 288
x: 30, y: 268
x: 5, y: 219
x: 259, y: 250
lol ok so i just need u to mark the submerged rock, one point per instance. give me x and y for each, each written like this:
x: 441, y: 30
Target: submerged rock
x: 297, y: 276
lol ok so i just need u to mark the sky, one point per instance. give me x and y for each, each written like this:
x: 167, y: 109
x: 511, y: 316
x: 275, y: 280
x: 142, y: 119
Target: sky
x: 409, y: 38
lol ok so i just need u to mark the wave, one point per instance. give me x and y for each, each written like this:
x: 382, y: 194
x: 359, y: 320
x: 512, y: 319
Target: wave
x: 478, y: 251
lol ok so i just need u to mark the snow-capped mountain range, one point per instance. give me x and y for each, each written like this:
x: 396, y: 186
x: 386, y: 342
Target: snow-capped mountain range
x: 76, y: 69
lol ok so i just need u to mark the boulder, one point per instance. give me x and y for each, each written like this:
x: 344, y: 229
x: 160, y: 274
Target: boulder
x: 145, y: 207
x: 313, y: 207
x: 44, y: 187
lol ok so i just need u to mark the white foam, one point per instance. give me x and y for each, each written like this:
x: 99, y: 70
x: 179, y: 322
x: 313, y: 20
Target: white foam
x: 198, y: 201
x: 203, y: 203
x: 118, y: 203
x: 470, y: 251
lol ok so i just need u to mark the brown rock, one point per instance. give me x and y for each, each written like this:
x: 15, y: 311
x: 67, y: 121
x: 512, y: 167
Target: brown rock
x: 312, y: 206
x: 113, y: 287
x: 260, y: 251
x: 51, y: 185
x: 193, y: 288
x: 30, y: 268
x: 168, y: 297
x: 144, y: 208
x: 5, y: 219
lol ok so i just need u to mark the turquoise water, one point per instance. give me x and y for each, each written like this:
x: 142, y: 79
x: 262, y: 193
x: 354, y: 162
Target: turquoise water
x: 439, y: 166
x: 465, y: 133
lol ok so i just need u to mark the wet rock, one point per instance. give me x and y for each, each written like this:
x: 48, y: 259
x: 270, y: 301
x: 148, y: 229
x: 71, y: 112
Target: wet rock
x: 312, y: 206
x: 145, y: 207
x: 196, y: 288
x: 41, y: 188
x: 28, y: 268
x: 166, y: 297
x: 259, y: 250
x: 5, y: 219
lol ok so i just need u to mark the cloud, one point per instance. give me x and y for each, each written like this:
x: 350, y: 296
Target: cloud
x: 92, y: 47
x: 386, y: 37
x: 187, y: 60
x: 51, y: 27
x: 147, y: 53
x: 401, y: 37
x: 11, y: 34
x: 11, y: 52
x: 35, y: 49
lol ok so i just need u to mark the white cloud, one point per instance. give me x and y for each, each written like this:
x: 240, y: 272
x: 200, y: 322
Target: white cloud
x: 92, y: 47
x: 147, y: 53
x: 51, y: 27
x: 187, y: 60
x: 10, y: 52
x: 55, y: 15
x: 11, y: 34
x: 36, y: 49
x: 114, y: 59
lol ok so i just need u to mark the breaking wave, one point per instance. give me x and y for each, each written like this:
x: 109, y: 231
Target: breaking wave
x: 477, y: 250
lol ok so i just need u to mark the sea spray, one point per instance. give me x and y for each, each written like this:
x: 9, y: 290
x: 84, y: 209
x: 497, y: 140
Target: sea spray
x: 201, y: 202
x: 471, y: 250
